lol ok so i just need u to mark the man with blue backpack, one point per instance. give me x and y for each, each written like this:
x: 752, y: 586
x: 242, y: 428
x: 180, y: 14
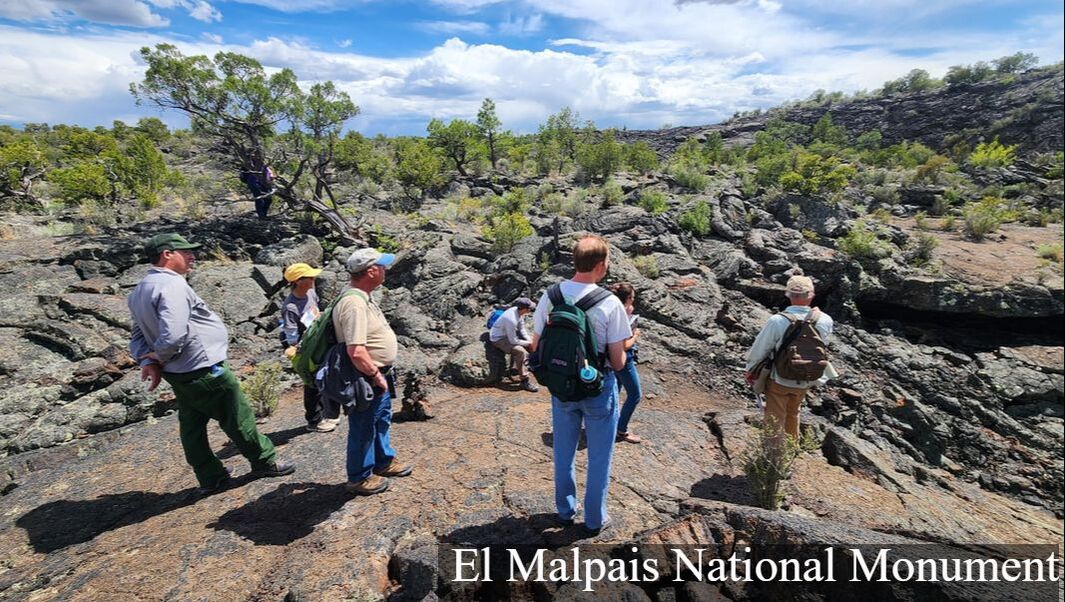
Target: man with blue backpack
x: 507, y: 333
x: 579, y: 334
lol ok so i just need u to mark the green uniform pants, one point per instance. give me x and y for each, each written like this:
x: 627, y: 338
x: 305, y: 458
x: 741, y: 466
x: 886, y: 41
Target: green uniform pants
x: 201, y: 397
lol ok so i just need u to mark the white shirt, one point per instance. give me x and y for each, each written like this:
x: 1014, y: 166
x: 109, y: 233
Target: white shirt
x: 508, y: 326
x: 609, y: 319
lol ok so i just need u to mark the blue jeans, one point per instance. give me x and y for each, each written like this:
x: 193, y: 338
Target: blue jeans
x: 599, y: 416
x: 629, y: 379
x: 369, y: 446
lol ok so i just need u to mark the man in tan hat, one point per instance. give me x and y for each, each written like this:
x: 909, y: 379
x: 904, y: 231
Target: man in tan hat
x: 372, y: 347
x: 298, y: 311
x: 783, y: 396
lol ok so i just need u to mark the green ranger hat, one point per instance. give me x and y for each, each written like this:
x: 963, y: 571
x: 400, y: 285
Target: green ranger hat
x: 167, y: 242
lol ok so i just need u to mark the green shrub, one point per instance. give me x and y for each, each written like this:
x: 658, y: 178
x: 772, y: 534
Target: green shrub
x: 641, y: 158
x: 552, y: 203
x: 646, y: 265
x: 263, y: 388
x: 505, y: 231
x: 612, y: 194
x: 767, y: 461
x: 882, y: 215
x: 465, y: 209
x: 862, y: 243
x: 932, y: 170
x: 992, y: 154
x: 696, y: 219
x: 813, y: 174
x: 984, y: 216
x: 748, y: 184
x: 1050, y: 252
x: 947, y: 223
x: 1056, y: 166
x: 917, y: 80
x: 600, y: 159
x: 922, y: 247
x: 690, y: 178
x: 417, y: 167
x: 576, y: 204
x: 81, y: 181
x: 653, y: 201
x: 885, y: 195
x: 384, y: 243
x: 920, y: 220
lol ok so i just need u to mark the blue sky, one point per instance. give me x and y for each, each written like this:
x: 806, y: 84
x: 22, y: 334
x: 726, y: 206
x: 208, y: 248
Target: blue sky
x: 621, y: 63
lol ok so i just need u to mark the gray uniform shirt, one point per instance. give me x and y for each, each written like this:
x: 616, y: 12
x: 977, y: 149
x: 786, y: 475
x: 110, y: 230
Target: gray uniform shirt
x: 170, y: 319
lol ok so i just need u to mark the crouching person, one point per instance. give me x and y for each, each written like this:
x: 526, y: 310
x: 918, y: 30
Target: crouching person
x: 371, y: 346
x: 509, y: 336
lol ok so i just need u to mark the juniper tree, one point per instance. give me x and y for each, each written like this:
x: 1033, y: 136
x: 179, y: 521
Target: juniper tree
x: 488, y: 125
x: 253, y: 119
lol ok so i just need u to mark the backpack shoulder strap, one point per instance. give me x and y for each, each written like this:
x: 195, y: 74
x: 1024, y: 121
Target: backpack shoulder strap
x: 357, y: 292
x: 554, y: 294
x: 790, y: 334
x: 593, y: 298
x: 813, y: 316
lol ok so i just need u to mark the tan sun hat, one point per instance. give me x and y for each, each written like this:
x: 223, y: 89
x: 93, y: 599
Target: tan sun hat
x: 800, y: 285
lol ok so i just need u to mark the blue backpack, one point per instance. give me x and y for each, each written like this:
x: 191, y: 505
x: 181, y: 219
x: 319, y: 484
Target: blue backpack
x: 492, y: 317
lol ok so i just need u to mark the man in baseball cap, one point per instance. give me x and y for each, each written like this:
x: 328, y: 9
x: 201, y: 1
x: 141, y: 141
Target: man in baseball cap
x: 177, y: 338
x: 168, y: 241
x: 362, y: 259
x: 784, y: 396
x: 372, y: 347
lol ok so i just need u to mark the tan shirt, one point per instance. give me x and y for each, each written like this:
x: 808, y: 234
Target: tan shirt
x: 358, y: 321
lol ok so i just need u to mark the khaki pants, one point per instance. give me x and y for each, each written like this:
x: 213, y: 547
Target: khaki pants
x: 518, y: 355
x: 782, y: 406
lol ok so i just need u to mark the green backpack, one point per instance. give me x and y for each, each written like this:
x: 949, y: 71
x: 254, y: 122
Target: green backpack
x: 319, y: 337
x: 567, y: 345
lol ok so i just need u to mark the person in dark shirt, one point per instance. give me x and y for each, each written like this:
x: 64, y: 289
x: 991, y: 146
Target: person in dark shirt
x: 298, y: 311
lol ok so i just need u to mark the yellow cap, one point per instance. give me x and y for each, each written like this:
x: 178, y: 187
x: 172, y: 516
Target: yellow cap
x: 300, y: 270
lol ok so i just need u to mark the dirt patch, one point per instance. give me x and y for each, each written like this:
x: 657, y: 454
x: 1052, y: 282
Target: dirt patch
x: 1006, y: 256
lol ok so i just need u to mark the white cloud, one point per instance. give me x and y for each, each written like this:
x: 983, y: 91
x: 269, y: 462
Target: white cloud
x: 112, y: 12
x: 202, y: 11
x: 626, y: 62
x: 211, y: 37
x: 466, y: 6
x: 520, y: 26
x: 455, y: 27
x: 304, y: 6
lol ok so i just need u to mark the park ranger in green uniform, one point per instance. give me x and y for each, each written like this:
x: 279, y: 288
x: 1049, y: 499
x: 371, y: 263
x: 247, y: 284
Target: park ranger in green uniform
x: 176, y: 337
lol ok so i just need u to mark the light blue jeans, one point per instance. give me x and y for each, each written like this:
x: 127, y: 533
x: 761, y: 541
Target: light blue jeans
x: 599, y: 416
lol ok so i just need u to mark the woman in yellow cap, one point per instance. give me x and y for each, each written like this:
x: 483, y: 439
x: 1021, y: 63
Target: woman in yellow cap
x: 298, y: 311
